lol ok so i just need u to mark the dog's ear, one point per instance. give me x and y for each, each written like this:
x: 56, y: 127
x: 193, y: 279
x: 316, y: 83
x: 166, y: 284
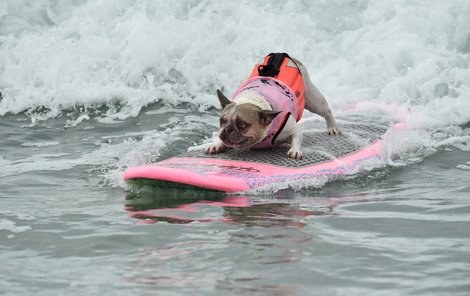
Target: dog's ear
x: 223, y: 99
x: 267, y: 116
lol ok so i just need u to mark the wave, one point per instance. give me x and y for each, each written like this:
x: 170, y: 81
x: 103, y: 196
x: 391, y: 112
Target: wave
x: 58, y: 55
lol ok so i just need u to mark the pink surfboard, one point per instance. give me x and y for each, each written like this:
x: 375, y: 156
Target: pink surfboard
x: 238, y: 171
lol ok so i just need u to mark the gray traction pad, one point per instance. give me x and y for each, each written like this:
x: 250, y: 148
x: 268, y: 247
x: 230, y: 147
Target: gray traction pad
x: 317, y: 145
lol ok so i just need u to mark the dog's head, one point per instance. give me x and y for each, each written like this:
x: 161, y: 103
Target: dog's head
x: 243, y: 125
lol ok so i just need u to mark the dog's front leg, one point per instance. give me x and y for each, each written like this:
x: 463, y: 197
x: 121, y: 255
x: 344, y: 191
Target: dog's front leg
x: 292, y: 134
x: 295, y: 144
x: 295, y: 139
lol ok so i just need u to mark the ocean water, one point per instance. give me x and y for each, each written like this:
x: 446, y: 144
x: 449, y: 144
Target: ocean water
x: 89, y: 88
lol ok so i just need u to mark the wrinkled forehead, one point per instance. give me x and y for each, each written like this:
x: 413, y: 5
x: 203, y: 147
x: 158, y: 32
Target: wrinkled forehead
x: 241, y: 112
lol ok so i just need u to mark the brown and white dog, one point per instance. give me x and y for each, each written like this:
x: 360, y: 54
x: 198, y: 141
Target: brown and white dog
x: 265, y: 110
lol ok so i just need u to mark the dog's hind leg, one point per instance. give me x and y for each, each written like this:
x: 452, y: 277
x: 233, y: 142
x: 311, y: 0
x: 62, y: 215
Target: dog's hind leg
x: 316, y: 103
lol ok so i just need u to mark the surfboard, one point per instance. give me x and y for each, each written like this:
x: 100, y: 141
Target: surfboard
x: 237, y: 171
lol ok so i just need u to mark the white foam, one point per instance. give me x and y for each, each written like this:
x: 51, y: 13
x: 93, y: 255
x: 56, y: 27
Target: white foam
x: 463, y: 167
x: 11, y: 226
x: 67, y: 53
x: 39, y: 144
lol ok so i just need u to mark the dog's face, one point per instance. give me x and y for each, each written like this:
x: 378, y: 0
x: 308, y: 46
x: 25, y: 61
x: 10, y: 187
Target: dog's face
x: 244, y: 125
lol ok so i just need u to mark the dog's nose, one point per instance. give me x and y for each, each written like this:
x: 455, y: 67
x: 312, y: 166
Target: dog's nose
x: 223, y: 135
x: 226, y: 132
x: 229, y: 128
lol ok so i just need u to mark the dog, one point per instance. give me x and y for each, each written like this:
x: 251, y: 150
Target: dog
x: 265, y: 109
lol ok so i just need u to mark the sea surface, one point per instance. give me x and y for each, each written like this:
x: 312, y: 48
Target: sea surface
x: 90, y: 88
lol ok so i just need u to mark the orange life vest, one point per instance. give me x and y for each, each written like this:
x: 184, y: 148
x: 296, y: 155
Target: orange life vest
x: 288, y: 73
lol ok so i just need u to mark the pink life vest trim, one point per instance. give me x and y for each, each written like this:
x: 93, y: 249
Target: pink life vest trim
x: 281, y: 98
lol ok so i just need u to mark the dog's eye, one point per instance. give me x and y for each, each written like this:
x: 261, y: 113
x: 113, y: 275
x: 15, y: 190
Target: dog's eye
x: 223, y: 121
x: 242, y: 125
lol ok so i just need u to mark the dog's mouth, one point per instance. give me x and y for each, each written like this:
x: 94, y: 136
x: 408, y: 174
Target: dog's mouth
x: 236, y: 145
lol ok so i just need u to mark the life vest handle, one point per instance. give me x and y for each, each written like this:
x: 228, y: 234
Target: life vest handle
x: 273, y: 65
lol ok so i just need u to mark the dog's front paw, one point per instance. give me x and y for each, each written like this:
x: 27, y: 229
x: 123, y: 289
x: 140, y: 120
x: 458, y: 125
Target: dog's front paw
x: 214, y: 149
x: 295, y: 153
